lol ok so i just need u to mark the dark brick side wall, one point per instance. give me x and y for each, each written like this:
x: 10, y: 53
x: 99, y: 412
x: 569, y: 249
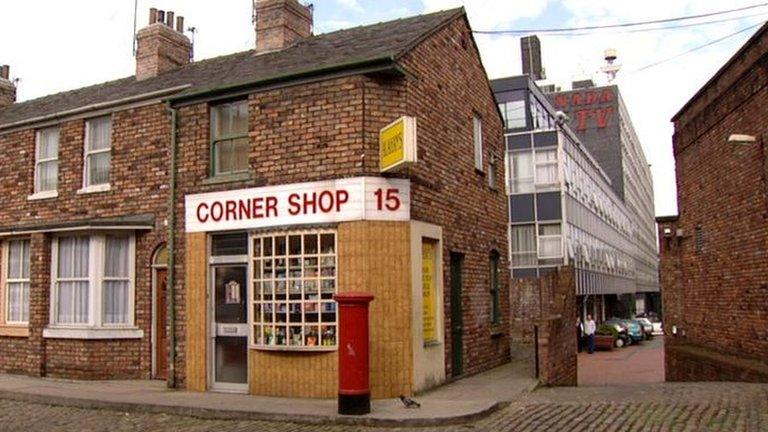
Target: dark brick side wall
x: 715, y: 277
x: 684, y: 362
x: 449, y: 89
x: 547, y: 316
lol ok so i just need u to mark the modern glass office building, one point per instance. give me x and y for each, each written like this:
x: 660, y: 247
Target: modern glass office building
x: 564, y: 209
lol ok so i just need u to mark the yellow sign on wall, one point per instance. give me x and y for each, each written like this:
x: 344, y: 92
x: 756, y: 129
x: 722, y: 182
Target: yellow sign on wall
x: 429, y: 291
x: 397, y: 143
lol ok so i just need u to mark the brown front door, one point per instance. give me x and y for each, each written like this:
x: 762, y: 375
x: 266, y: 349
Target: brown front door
x: 161, y: 314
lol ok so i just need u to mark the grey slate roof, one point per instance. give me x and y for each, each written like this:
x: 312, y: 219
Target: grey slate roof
x: 389, y: 39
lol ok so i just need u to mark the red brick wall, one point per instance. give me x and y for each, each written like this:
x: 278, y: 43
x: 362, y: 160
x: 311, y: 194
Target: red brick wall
x: 714, y: 283
x: 544, y: 312
x: 139, y: 186
x: 450, y: 88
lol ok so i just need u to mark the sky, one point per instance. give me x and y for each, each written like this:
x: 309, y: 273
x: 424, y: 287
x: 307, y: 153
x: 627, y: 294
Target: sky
x: 55, y: 45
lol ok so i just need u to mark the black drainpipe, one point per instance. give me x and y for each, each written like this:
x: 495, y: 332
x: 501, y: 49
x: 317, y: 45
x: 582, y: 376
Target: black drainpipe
x: 171, y: 381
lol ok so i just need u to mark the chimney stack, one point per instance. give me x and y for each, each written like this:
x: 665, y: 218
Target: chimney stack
x: 530, y: 48
x: 160, y: 47
x: 7, y: 88
x: 280, y: 23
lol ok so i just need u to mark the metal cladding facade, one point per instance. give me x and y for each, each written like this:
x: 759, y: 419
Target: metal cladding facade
x: 565, y: 207
x: 599, y: 117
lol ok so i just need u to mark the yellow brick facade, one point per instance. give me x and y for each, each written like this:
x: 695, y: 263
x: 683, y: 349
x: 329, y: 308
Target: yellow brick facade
x: 372, y: 257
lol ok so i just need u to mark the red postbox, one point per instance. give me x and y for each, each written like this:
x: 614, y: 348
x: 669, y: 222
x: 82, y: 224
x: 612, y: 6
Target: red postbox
x: 354, y: 388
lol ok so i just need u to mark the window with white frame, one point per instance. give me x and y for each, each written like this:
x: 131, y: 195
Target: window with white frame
x: 229, y: 138
x: 523, y: 245
x: 17, y: 282
x: 47, y: 160
x: 550, y: 241
x: 546, y: 169
x: 477, y: 137
x: 521, y: 172
x: 294, y: 280
x: 98, y: 151
x: 92, y: 280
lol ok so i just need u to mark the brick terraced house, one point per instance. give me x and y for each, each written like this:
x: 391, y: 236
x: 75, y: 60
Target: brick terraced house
x: 714, y: 255
x: 193, y: 222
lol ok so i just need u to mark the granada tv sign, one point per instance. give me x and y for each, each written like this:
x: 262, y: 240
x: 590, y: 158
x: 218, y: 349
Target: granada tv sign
x: 397, y: 144
x: 360, y: 198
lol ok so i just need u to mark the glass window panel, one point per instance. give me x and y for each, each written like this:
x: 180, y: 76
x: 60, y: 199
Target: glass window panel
x: 98, y: 168
x: 47, y: 176
x: 295, y: 245
x: 99, y: 133
x: 550, y: 229
x: 515, y: 114
x: 230, y: 120
x: 522, y: 208
x: 48, y: 144
x: 240, y: 150
x: 310, y: 243
x: 521, y: 170
x: 523, y: 245
x: 15, y: 250
x: 477, y: 130
x: 116, y: 297
x: 548, y: 206
x: 229, y: 244
x: 117, y: 260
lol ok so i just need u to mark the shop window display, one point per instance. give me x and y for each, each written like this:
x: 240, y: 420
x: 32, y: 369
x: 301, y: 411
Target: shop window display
x: 294, y: 280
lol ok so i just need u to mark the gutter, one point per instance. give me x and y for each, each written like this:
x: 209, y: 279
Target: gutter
x: 171, y: 285
x: 379, y: 64
x: 96, y: 106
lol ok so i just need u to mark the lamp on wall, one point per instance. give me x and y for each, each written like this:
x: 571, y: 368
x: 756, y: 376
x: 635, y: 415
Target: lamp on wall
x: 741, y: 139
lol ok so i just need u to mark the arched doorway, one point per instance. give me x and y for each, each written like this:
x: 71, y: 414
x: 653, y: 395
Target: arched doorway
x: 160, y: 313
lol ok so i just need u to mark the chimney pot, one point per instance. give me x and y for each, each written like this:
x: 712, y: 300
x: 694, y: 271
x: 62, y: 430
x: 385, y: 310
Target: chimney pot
x: 152, y: 15
x: 160, y: 48
x: 5, y: 72
x: 180, y: 24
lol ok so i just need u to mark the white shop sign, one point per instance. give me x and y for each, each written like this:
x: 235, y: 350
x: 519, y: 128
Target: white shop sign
x: 360, y: 198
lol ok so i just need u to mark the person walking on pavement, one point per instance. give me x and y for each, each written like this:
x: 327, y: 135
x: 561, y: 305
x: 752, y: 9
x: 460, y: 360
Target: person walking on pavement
x: 589, y: 330
x: 579, y: 334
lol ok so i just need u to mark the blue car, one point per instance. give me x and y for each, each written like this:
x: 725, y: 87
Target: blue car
x: 634, y: 329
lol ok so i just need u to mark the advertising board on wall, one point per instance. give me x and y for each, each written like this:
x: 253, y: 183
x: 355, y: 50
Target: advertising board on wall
x: 359, y: 198
x: 397, y: 144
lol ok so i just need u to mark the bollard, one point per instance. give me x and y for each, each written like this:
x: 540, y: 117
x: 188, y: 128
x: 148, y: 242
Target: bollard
x: 354, y: 388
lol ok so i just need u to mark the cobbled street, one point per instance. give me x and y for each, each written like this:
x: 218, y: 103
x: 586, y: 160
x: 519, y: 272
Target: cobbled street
x: 658, y: 407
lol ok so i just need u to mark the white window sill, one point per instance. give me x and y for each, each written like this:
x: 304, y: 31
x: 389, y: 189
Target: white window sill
x: 92, y: 333
x: 94, y: 188
x: 43, y: 195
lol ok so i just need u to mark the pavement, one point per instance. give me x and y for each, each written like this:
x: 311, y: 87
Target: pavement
x: 461, y: 401
x: 717, y: 406
x: 639, y: 363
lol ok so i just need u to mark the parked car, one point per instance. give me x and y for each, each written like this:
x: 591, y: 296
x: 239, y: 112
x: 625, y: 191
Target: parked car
x: 622, y: 336
x: 658, y: 329
x: 633, y: 328
x: 636, y: 330
x: 647, y: 326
